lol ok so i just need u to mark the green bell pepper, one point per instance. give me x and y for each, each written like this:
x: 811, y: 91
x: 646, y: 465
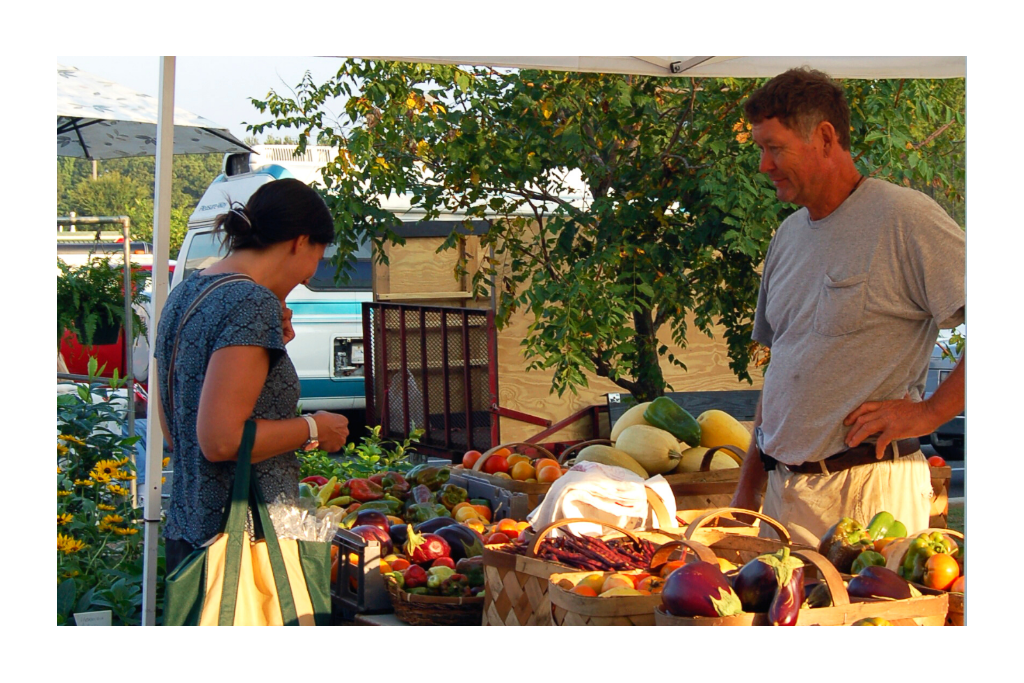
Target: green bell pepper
x: 897, y: 530
x: 451, y: 495
x: 880, y: 524
x: 867, y: 558
x: 420, y: 512
x: 664, y: 413
x: 431, y: 477
x: 921, y: 548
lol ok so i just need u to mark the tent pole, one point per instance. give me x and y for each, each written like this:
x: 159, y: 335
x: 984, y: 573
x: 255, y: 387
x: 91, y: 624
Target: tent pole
x: 161, y: 250
x: 127, y: 337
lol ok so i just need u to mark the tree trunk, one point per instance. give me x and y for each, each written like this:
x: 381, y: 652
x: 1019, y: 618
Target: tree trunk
x: 649, y: 380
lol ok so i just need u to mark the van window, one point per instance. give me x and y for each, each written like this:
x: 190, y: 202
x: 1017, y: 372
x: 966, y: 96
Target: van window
x: 203, y: 252
x: 359, y: 267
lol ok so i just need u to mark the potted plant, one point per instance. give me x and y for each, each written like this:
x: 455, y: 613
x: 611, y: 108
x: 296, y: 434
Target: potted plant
x: 90, y: 301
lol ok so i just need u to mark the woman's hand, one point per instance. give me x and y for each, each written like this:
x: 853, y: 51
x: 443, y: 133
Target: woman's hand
x: 286, y: 323
x: 332, y: 430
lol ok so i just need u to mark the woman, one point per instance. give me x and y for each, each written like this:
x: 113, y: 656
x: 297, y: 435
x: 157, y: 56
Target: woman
x: 230, y: 364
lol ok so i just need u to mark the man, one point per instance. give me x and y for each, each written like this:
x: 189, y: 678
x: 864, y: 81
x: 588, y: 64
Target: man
x: 856, y: 285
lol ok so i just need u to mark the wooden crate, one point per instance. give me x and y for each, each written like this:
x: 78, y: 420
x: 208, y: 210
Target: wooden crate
x: 927, y: 610
x: 941, y: 477
x: 955, y: 616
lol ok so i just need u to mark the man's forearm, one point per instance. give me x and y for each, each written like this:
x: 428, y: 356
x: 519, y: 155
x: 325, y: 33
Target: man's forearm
x: 948, y: 400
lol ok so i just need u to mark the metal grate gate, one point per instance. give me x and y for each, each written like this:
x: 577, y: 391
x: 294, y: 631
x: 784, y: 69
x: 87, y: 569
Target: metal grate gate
x: 433, y: 368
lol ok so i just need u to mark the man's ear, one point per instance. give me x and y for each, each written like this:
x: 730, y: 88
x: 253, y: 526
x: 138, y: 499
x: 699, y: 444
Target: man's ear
x: 299, y: 242
x: 829, y: 140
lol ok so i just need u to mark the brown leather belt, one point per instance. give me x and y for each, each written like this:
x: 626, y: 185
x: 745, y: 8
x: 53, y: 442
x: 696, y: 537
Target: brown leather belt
x: 859, y: 455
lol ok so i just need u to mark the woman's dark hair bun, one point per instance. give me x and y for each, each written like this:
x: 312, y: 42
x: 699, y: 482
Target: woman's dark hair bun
x: 278, y: 211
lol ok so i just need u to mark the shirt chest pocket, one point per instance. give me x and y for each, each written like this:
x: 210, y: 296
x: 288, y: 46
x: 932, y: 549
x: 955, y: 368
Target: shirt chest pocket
x: 841, y: 305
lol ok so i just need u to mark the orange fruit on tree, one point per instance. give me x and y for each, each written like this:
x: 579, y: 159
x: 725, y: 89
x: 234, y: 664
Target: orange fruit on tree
x: 470, y: 458
x: 547, y: 475
x: 940, y: 571
x: 522, y: 470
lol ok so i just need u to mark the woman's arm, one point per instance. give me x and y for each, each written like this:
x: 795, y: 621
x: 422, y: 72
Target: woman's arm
x: 234, y: 380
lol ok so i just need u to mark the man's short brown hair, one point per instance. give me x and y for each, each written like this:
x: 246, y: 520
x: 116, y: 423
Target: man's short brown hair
x: 801, y: 99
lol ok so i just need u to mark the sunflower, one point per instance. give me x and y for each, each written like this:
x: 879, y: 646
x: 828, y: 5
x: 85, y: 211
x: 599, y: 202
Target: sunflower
x: 125, y: 531
x: 84, y: 482
x: 105, y: 507
x: 117, y: 490
x: 69, y: 545
x: 121, y: 475
x: 70, y: 575
x: 63, y: 519
x: 71, y: 439
x: 61, y: 494
x: 105, y: 467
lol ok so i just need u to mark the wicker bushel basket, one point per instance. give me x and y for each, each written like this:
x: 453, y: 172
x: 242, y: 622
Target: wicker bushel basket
x: 927, y: 610
x: 955, y: 616
x: 434, y: 610
x: 570, y: 609
x: 516, y: 586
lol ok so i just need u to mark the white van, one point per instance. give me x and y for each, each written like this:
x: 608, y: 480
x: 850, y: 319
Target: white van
x: 328, y: 347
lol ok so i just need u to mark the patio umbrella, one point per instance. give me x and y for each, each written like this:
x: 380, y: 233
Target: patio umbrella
x: 721, y: 67
x: 99, y: 119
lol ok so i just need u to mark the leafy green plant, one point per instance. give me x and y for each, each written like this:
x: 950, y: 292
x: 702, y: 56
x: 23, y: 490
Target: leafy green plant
x: 92, y: 295
x: 371, y: 455
x: 99, y: 531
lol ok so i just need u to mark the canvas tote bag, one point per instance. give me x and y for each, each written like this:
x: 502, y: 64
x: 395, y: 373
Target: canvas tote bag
x: 241, y: 581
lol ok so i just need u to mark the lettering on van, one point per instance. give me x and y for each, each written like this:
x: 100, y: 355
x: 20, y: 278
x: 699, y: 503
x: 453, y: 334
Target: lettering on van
x: 211, y: 207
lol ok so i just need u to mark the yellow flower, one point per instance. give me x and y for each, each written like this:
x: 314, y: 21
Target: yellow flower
x: 61, y: 494
x: 61, y: 450
x: 69, y: 545
x: 166, y: 462
x: 84, y: 482
x: 122, y: 462
x: 125, y: 531
x: 70, y: 575
x: 63, y: 519
x: 112, y: 519
x: 117, y: 490
x: 71, y: 439
x: 742, y: 137
x: 105, y: 507
x: 121, y: 475
x: 99, y: 477
x: 59, y: 470
x: 107, y: 467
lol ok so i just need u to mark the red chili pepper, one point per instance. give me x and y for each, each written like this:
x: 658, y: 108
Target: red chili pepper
x: 315, y: 479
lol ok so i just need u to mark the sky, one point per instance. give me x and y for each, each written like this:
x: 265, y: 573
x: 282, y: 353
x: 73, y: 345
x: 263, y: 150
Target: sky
x: 217, y: 88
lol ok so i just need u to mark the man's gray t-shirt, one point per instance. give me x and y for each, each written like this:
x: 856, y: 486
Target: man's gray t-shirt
x: 851, y: 306
x: 236, y: 314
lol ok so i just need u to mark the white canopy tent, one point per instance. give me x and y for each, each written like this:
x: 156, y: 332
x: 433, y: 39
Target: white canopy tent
x: 736, y: 67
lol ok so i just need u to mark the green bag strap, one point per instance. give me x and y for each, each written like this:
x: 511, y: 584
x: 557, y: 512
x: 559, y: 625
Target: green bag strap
x: 285, y: 599
x: 234, y: 525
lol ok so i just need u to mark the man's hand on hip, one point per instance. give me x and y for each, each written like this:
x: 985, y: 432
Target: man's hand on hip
x: 891, y: 420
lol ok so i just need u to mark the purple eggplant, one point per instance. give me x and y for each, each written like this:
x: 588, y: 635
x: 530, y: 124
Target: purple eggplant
x: 462, y: 541
x: 879, y: 582
x: 372, y: 518
x: 756, y: 584
x: 370, y: 532
x: 399, y: 534
x: 432, y: 525
x: 785, y: 607
x: 699, y: 589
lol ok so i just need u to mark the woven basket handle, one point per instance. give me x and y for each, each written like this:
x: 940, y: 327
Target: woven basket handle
x: 901, y: 546
x: 829, y: 574
x: 703, y: 552
x: 730, y: 513
x: 535, y: 543
x: 656, y: 504
x: 732, y: 451
x: 571, y: 451
x: 479, y: 464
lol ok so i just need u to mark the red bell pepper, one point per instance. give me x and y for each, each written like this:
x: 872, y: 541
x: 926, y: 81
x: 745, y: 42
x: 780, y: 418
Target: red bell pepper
x: 415, y: 576
x: 378, y: 479
x: 315, y: 479
x: 364, y: 490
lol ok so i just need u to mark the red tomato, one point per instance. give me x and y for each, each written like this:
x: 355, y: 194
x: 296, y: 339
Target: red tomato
x: 470, y: 458
x: 495, y: 464
x: 936, y: 461
x: 496, y: 538
x: 443, y: 562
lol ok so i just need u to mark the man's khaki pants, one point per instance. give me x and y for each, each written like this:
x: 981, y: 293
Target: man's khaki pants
x: 808, y: 504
